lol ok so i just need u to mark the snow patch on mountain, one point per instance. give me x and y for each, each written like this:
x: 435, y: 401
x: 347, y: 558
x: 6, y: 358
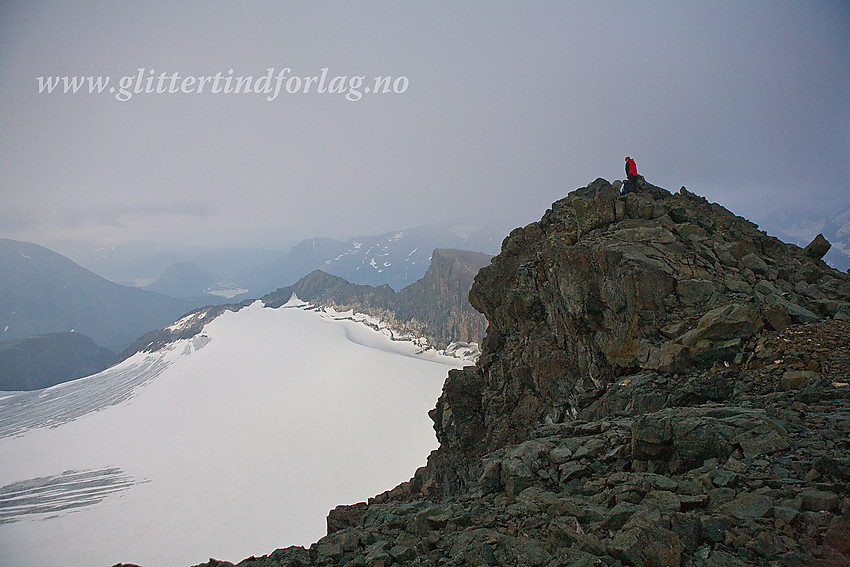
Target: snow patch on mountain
x: 397, y: 259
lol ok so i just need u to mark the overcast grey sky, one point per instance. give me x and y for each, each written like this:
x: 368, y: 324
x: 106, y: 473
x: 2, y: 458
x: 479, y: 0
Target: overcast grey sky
x: 506, y: 108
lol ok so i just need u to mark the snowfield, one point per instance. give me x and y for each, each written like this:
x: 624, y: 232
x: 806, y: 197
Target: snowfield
x: 227, y: 445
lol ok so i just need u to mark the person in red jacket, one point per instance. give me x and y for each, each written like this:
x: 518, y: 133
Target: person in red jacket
x: 631, y: 176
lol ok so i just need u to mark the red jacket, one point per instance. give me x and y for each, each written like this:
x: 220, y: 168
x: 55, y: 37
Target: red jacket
x: 631, y: 168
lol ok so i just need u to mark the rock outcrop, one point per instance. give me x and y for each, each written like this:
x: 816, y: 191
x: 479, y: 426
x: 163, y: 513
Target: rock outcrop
x: 818, y: 247
x: 604, y: 288
x: 439, y: 302
x: 661, y: 384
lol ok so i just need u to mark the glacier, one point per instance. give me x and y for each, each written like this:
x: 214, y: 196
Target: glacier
x: 229, y: 444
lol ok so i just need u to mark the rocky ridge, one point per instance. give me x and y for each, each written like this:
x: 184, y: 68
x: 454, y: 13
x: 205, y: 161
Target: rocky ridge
x: 435, y: 308
x: 799, y: 229
x: 661, y: 384
x: 433, y: 311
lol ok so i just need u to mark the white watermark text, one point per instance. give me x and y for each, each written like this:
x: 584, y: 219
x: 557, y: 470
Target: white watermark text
x: 272, y: 84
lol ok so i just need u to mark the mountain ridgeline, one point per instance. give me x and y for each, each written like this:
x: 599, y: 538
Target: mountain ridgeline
x: 435, y: 308
x: 42, y: 292
x: 183, y: 279
x: 46, y: 360
x: 660, y: 384
x: 397, y: 259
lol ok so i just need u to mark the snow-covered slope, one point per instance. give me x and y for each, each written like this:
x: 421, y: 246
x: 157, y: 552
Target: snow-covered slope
x: 229, y: 444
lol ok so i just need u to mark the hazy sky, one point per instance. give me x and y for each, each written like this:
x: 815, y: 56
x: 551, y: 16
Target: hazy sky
x: 505, y: 108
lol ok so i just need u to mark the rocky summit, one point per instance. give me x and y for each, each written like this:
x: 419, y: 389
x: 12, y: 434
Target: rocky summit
x: 661, y: 384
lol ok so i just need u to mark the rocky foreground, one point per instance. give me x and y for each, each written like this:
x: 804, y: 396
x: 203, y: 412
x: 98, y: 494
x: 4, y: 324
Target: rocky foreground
x: 661, y: 384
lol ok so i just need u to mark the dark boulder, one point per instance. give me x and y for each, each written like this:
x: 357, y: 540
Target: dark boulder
x: 817, y: 248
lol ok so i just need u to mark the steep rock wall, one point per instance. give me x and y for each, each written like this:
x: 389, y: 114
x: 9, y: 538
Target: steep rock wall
x: 604, y: 287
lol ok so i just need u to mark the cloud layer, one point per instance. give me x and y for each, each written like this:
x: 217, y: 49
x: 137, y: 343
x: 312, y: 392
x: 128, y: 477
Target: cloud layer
x: 506, y: 108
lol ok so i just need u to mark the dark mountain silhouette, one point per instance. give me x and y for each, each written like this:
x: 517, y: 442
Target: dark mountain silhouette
x: 43, y: 292
x: 45, y: 360
x: 183, y: 279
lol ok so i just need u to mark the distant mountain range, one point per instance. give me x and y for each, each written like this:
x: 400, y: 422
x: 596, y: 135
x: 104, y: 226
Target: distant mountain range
x: 43, y: 292
x: 396, y: 258
x: 186, y: 279
x: 435, y: 308
x: 802, y: 229
x: 138, y: 264
x: 45, y: 360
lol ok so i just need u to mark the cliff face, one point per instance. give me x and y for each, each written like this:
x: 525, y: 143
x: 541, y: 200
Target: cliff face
x: 603, y: 288
x: 439, y: 301
x: 661, y: 384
